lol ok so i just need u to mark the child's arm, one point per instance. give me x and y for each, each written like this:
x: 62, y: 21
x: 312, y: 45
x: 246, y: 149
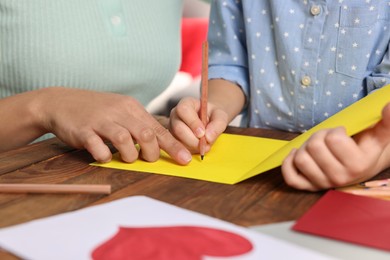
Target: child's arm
x: 225, y: 101
x: 330, y: 158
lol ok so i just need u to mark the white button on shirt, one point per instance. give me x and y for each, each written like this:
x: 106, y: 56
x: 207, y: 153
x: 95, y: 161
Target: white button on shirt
x: 278, y: 50
x: 315, y: 10
x: 116, y: 20
x: 306, y: 81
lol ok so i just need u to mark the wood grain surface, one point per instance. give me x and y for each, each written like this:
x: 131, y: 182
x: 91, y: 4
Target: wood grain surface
x: 259, y: 200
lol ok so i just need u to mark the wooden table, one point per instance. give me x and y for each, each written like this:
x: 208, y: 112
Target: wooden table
x: 259, y: 200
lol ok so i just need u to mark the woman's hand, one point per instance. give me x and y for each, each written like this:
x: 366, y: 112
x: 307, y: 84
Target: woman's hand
x: 86, y: 119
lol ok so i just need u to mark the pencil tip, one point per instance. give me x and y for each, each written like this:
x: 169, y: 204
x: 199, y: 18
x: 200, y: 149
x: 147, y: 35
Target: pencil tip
x: 201, y: 157
x: 362, y: 184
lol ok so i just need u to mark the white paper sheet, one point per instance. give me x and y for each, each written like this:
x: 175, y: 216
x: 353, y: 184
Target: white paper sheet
x: 76, y: 234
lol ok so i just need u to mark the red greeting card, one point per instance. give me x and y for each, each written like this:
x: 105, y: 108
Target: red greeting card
x: 350, y: 218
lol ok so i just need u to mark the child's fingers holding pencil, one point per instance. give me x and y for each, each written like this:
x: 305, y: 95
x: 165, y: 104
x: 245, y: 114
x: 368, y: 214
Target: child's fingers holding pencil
x: 187, y: 112
x: 186, y: 125
x: 217, y: 124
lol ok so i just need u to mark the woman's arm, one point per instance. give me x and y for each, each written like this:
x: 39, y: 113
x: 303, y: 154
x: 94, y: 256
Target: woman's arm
x: 86, y: 119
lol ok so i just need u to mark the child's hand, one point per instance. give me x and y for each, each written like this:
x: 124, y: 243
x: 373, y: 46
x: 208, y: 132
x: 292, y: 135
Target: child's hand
x: 187, y: 127
x: 330, y: 158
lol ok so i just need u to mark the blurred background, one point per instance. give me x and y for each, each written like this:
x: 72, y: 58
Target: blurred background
x: 187, y: 80
x: 196, y: 8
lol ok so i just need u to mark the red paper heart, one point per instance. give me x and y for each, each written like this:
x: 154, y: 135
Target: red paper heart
x: 171, y: 243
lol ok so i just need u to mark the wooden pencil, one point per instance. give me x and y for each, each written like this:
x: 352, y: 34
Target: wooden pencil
x: 376, y: 183
x: 375, y: 191
x: 204, y: 96
x: 54, y: 188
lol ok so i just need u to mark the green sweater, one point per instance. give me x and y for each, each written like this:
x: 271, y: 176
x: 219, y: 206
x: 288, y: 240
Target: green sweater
x: 121, y: 46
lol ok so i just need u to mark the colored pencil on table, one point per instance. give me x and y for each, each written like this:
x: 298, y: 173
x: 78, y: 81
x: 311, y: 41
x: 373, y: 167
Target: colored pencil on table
x: 374, y: 191
x: 54, y: 188
x: 376, y: 183
x: 204, y: 96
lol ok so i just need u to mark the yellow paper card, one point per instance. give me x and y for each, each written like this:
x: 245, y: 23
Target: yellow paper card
x: 231, y: 157
x: 235, y: 158
x: 355, y: 118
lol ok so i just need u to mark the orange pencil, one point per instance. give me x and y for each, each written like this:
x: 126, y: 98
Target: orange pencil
x: 203, y: 97
x: 54, y: 188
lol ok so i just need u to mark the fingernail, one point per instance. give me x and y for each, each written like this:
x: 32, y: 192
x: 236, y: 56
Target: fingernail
x: 105, y: 160
x: 199, y: 132
x: 185, y: 156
